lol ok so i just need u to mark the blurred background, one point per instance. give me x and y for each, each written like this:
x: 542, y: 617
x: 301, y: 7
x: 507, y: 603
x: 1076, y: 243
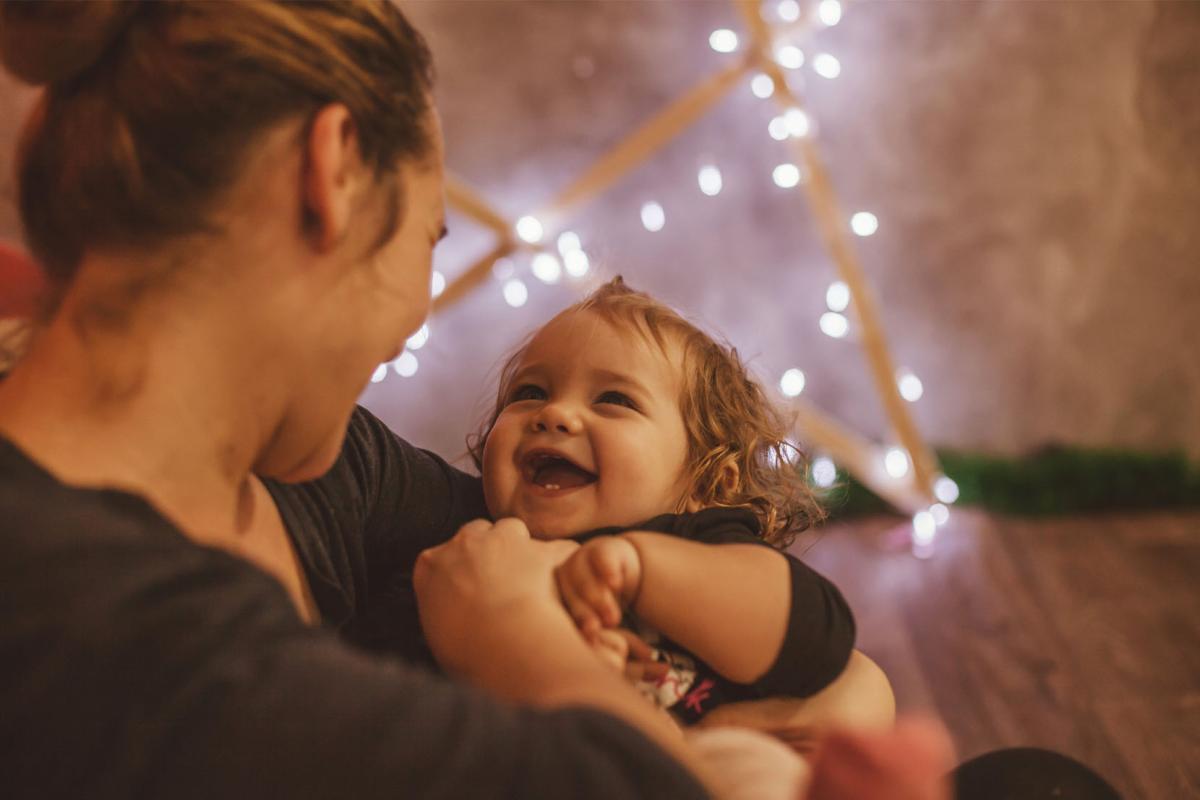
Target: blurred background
x: 1033, y: 171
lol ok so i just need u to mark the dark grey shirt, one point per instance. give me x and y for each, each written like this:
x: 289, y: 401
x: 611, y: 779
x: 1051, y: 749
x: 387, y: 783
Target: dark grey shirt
x: 136, y: 663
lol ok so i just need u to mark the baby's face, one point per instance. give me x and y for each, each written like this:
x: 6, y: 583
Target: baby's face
x: 591, y: 435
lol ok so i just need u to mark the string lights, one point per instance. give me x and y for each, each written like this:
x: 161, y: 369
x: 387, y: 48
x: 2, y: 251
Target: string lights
x: 837, y: 296
x: 418, y: 339
x: 515, y: 292
x: 786, y: 176
x: 529, y: 228
x: 709, y: 179
x: 405, y: 365
x: 653, y: 217
x: 864, y: 223
x: 784, y: 47
x: 546, y: 268
x: 896, y: 462
x: 723, y: 40
x: 761, y: 86
x: 792, y: 382
x: 834, y: 325
x: 824, y: 472
x: 826, y: 66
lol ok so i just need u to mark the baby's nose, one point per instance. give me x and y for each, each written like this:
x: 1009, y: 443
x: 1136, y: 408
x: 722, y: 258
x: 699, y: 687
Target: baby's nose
x: 558, y: 418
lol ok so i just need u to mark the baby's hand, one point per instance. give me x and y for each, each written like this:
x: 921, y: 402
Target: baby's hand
x: 599, y: 579
x: 627, y: 653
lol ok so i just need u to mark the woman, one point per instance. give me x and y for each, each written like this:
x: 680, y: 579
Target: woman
x: 236, y: 206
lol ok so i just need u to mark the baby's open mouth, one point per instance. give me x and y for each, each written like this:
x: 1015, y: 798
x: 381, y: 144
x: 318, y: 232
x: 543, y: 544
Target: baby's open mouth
x: 553, y: 471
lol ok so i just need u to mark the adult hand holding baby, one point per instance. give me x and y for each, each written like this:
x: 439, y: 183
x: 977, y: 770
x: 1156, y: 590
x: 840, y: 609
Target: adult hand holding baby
x: 489, y: 581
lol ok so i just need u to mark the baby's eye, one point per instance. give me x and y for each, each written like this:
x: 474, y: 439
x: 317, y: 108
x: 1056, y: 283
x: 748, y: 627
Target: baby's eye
x: 526, y: 391
x: 617, y: 398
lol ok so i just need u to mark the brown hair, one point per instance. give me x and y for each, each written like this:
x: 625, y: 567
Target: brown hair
x: 729, y: 419
x: 151, y: 108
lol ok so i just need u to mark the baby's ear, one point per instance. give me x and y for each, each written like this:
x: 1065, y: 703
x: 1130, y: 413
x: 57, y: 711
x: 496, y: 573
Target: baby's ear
x: 730, y: 478
x: 726, y: 487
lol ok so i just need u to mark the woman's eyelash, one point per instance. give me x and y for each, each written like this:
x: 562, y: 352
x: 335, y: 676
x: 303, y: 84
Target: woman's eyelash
x: 617, y: 398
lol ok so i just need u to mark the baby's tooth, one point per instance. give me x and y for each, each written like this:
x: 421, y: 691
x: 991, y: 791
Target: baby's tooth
x: 551, y: 485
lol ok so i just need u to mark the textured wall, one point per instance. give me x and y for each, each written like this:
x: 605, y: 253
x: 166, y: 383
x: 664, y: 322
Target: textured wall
x: 1035, y: 168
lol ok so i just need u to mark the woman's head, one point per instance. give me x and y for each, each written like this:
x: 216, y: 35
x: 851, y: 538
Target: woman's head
x: 151, y: 109
x: 278, y: 162
x: 702, y: 432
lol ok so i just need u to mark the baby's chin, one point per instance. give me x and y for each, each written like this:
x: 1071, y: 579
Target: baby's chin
x: 551, y: 531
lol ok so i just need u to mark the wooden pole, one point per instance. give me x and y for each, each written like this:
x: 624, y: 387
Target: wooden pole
x: 832, y: 227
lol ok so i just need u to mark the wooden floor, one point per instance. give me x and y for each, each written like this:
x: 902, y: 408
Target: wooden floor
x: 1080, y: 634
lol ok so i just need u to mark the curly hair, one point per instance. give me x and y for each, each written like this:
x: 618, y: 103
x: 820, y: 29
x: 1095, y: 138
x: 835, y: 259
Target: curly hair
x: 738, y: 451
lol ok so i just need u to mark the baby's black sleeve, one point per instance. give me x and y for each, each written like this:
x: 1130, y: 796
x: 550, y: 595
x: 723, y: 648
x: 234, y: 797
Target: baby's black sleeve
x: 821, y: 630
x: 820, y: 636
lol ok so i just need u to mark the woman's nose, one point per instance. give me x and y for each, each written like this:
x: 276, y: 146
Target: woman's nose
x: 557, y: 417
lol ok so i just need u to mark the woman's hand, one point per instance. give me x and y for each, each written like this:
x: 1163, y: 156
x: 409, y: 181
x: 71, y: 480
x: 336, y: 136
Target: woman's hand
x: 488, y: 575
x: 598, y: 581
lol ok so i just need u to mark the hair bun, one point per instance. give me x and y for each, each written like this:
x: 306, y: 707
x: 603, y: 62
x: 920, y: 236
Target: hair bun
x: 50, y: 42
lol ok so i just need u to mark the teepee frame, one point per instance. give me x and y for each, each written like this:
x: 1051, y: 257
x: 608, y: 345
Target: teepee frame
x: 858, y: 455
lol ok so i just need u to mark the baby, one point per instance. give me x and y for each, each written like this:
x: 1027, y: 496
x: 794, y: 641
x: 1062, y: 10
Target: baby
x: 621, y: 425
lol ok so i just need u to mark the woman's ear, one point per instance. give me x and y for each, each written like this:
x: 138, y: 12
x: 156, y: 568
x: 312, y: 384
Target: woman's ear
x: 332, y: 169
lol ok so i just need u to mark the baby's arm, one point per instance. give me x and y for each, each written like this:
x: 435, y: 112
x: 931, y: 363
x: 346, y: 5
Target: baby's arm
x: 728, y: 604
x: 753, y: 614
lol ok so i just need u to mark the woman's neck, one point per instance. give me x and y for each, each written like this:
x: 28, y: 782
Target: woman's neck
x: 144, y: 408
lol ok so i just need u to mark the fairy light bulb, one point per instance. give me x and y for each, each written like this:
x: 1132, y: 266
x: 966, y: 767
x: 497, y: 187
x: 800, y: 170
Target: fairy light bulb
x: 379, y: 374
x: 945, y: 489
x: 827, y: 66
x: 864, y: 223
x: 924, y: 528
x: 653, y: 217
x: 941, y: 514
x: 723, y: 40
x: 837, y: 296
x: 437, y: 284
x: 515, y: 293
x: 834, y: 325
x: 798, y: 123
x: 789, y: 56
x: 778, y: 128
x: 546, y: 268
x: 530, y: 229
x: 792, y: 382
x: 762, y: 86
x: 576, y: 263
x: 418, y: 339
x: 824, y: 472
x: 786, y: 176
x: 788, y: 10
x: 709, y: 179
x: 829, y: 12
x: 910, y: 386
x: 895, y: 462
x: 568, y: 241
x: 503, y: 269
x: 405, y: 365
